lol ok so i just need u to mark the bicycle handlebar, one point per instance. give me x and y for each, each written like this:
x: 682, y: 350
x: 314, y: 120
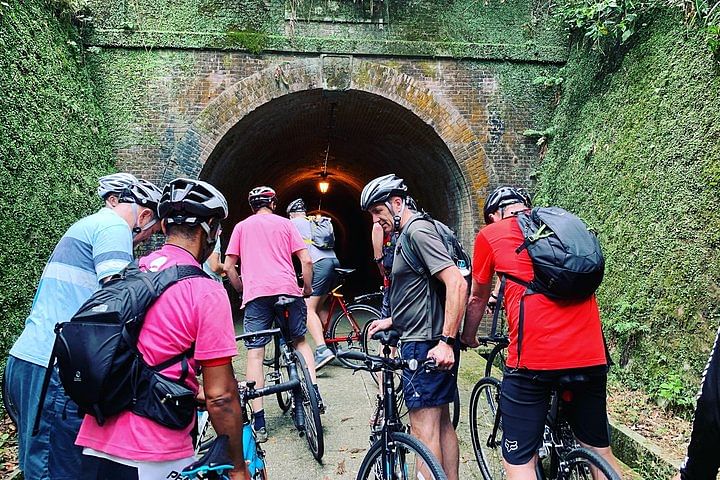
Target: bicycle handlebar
x: 251, y: 393
x: 374, y: 363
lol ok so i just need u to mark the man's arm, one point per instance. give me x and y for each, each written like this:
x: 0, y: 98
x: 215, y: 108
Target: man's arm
x: 455, y: 294
x: 376, y: 237
x: 479, y: 295
x: 306, y: 263
x: 231, y: 271
x: 223, y: 405
x: 214, y: 263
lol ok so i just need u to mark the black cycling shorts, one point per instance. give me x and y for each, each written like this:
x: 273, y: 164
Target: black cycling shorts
x: 525, y: 401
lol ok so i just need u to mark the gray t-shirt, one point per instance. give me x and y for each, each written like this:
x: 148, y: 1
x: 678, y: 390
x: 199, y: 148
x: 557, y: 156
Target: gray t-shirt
x: 417, y: 301
x: 303, y: 226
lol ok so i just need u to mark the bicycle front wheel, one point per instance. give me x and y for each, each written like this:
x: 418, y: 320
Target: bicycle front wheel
x: 484, y: 402
x: 405, y: 458
x: 346, y: 331
x: 311, y: 408
x: 580, y: 463
x: 496, y: 361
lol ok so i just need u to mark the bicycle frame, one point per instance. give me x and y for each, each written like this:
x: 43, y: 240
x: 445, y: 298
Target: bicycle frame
x: 336, y: 299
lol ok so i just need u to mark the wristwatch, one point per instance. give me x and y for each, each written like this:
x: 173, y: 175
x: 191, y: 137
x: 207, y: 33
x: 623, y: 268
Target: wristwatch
x: 449, y: 340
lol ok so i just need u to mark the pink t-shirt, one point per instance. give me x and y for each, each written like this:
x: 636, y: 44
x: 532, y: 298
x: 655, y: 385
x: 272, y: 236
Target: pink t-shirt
x: 193, y: 310
x: 265, y: 244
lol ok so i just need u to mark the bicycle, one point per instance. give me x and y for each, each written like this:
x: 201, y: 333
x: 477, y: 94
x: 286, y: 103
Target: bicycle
x: 303, y: 398
x: 560, y: 456
x: 373, y: 347
x: 344, y: 329
x: 393, y: 454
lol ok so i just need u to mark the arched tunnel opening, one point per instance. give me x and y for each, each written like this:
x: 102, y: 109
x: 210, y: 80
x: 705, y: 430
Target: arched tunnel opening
x: 285, y: 143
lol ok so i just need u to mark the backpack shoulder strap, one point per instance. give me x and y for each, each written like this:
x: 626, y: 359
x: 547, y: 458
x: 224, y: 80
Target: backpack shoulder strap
x: 405, y: 247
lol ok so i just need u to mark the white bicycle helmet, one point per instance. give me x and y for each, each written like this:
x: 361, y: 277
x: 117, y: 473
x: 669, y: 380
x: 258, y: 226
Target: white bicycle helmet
x: 143, y: 193
x: 191, y: 202
x: 261, y: 197
x: 114, y: 184
x: 381, y: 189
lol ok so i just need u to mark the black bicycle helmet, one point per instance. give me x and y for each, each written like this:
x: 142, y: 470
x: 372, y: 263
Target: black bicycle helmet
x: 191, y: 202
x: 501, y: 197
x: 261, y: 197
x: 296, y: 206
x: 114, y: 184
x: 381, y: 189
x: 142, y: 192
x: 527, y: 199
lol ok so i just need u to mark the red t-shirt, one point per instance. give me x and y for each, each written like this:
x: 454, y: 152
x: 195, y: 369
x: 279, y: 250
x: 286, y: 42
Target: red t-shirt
x: 557, y: 334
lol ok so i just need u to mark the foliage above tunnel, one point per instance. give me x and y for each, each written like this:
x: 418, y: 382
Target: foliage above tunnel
x: 54, y: 146
x: 636, y: 153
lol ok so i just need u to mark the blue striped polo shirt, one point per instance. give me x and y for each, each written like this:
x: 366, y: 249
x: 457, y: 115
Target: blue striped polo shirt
x: 93, y: 248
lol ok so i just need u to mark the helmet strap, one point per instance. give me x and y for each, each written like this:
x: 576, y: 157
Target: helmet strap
x: 396, y: 216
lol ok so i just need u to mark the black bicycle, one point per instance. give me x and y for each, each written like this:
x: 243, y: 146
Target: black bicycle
x: 393, y: 454
x: 560, y: 457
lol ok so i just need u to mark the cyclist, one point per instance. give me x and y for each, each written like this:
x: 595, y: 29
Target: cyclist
x: 324, y: 278
x: 213, y: 266
x: 192, y: 314
x: 558, y: 337
x: 702, y: 461
x: 263, y: 244
x: 426, y: 311
x: 92, y: 250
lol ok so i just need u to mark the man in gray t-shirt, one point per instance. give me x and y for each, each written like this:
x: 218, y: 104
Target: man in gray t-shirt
x: 427, y: 309
x: 324, y: 277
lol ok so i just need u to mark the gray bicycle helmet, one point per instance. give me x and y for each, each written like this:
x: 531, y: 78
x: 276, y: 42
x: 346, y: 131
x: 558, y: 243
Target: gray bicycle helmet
x: 296, y: 206
x: 411, y: 203
x: 191, y: 202
x: 114, y: 184
x: 501, y: 197
x: 143, y: 193
x: 381, y: 189
x: 261, y: 197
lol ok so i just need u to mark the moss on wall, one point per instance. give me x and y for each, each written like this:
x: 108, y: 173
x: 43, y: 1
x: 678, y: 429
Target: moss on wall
x: 54, y: 146
x: 637, y: 155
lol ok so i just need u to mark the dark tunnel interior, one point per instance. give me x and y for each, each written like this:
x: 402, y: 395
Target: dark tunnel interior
x: 285, y: 142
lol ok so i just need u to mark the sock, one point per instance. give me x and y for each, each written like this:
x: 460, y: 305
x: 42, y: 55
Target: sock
x: 259, y: 420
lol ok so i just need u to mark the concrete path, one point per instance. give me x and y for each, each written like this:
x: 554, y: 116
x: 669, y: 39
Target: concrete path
x: 351, y: 400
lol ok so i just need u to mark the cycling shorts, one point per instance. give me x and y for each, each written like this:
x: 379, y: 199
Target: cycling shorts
x: 324, y: 276
x: 524, y: 405
x: 260, y: 315
x: 423, y: 389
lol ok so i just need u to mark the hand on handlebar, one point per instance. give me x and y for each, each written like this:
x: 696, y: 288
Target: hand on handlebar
x: 443, y: 355
x: 381, y: 324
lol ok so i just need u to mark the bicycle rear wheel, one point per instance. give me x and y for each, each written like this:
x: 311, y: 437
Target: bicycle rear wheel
x: 10, y: 407
x: 404, y: 458
x: 483, y: 407
x: 579, y: 464
x: 313, y: 425
x: 345, y: 331
x: 277, y: 376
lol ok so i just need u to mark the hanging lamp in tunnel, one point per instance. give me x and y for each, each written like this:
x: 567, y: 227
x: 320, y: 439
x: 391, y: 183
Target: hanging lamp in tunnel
x: 323, y: 184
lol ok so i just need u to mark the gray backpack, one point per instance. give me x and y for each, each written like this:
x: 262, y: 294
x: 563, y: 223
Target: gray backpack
x: 321, y: 232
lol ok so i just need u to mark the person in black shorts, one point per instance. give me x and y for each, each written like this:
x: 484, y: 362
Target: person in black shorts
x: 427, y: 309
x: 702, y: 461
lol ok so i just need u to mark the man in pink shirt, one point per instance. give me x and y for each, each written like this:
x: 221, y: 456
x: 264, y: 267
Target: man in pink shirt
x: 194, y: 312
x: 263, y: 244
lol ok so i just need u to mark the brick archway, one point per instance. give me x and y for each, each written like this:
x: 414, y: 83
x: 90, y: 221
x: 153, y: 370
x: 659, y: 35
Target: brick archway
x: 465, y: 164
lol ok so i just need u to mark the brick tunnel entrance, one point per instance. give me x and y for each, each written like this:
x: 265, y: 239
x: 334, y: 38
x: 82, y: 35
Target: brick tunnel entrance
x: 284, y: 144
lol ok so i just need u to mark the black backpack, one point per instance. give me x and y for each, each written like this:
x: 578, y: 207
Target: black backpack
x: 568, y: 263
x: 99, y: 364
x: 453, y: 246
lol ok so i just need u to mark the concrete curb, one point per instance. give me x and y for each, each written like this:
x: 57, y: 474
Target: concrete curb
x: 639, y: 453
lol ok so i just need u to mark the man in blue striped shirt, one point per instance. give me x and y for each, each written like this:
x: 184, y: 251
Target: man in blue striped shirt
x: 92, y: 250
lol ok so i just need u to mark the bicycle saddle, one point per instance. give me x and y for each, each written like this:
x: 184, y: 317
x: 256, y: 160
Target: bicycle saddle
x: 344, y: 271
x: 387, y: 337
x: 215, y: 460
x: 284, y: 300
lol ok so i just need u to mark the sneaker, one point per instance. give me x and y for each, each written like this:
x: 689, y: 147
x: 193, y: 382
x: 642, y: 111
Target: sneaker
x: 323, y: 356
x: 261, y: 435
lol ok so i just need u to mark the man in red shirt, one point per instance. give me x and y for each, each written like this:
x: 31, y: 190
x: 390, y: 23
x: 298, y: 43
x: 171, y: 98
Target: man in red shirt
x: 558, y: 337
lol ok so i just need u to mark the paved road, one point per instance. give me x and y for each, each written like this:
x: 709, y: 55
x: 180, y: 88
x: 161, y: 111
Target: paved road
x: 351, y: 401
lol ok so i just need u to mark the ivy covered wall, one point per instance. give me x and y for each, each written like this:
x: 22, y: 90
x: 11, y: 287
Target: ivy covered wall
x: 637, y: 153
x: 53, y: 147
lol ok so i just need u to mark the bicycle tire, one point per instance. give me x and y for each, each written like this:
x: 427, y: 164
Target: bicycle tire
x: 8, y: 404
x: 455, y: 409
x: 495, y: 361
x: 284, y: 399
x: 578, y: 463
x: 271, y: 351
x: 208, y: 436
x: 313, y: 425
x: 482, y: 421
x: 404, y: 445
x: 342, y: 327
